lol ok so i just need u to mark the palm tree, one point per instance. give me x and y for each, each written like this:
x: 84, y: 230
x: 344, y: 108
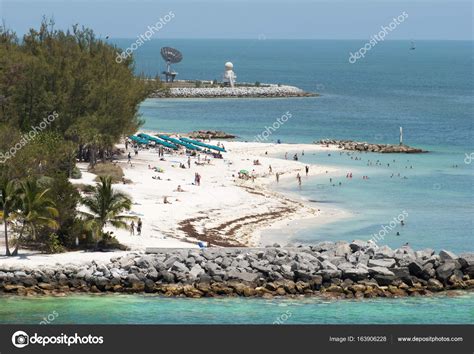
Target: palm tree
x: 106, y: 206
x: 8, y: 199
x: 34, y: 209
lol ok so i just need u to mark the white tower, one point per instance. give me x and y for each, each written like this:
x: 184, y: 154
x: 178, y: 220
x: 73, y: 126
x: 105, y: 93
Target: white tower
x: 229, y: 75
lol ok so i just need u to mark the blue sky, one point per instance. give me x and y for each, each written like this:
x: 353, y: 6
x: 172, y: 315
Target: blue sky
x: 290, y: 19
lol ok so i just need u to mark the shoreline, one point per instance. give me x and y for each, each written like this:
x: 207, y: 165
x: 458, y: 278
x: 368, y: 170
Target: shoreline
x: 224, y: 210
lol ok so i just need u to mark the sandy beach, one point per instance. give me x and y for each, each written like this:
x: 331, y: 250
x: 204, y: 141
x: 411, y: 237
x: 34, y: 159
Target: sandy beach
x: 223, y: 210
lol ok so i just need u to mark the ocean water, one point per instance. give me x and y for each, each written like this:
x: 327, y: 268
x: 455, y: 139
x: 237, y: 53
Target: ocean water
x: 428, y: 91
x: 143, y: 309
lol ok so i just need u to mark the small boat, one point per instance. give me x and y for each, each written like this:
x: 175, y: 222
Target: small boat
x: 412, y: 47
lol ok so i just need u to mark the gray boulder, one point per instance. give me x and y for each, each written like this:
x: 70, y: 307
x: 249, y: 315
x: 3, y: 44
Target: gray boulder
x: 127, y: 261
x: 415, y: 268
x: 447, y: 255
x: 445, y: 270
x: 326, y: 265
x: 328, y: 274
x: 384, y: 280
x: 356, y: 274
x: 384, y: 252
x: 380, y: 271
x: 342, y: 249
x: 167, y: 277
x: 243, y: 276
x: 179, y: 267
x: 424, y: 254
x: 386, y: 262
x: 196, y: 270
x: 358, y: 245
x: 466, y: 260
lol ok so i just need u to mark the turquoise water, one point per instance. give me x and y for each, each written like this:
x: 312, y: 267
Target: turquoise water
x: 428, y: 91
x: 437, y: 198
x: 127, y: 309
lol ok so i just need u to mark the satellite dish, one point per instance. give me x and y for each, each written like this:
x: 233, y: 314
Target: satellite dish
x: 171, y: 56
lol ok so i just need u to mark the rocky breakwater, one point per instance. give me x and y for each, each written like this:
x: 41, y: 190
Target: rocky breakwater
x: 333, y: 270
x: 212, y: 134
x: 235, y: 92
x: 363, y: 146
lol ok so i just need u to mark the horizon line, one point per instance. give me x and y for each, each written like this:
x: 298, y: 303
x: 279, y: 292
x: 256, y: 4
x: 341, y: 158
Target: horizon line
x: 296, y: 39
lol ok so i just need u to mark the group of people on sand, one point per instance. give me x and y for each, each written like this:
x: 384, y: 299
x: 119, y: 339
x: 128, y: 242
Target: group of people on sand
x: 139, y: 227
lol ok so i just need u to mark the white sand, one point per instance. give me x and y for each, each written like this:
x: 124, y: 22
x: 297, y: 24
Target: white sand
x: 231, y: 209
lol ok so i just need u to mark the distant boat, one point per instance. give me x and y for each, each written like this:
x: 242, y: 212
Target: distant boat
x: 412, y: 47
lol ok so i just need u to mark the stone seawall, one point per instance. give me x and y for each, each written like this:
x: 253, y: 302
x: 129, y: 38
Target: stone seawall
x: 333, y: 270
x: 236, y: 92
x: 363, y: 146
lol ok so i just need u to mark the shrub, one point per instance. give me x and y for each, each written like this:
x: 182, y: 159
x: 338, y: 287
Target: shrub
x: 109, y: 242
x: 76, y: 173
x: 53, y: 244
x: 108, y: 169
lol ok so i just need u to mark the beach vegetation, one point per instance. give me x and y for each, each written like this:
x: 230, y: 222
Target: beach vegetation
x: 63, y: 99
x: 111, y: 170
x: 105, y: 208
x: 34, y: 210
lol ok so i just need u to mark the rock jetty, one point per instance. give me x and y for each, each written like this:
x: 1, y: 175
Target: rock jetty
x: 229, y: 92
x: 363, y: 146
x: 213, y: 134
x: 334, y: 270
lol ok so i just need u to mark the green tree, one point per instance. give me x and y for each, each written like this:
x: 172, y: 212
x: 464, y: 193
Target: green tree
x: 105, y: 208
x: 8, y: 201
x: 35, y: 209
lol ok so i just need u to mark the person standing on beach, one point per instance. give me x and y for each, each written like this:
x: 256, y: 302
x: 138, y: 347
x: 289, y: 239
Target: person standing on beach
x: 307, y: 170
x: 189, y: 162
x: 277, y: 176
x: 136, y: 151
x: 197, y: 179
x: 298, y: 177
x: 126, y: 144
x: 129, y: 158
x: 286, y: 156
x: 132, y: 228
x: 139, y: 227
x: 270, y: 169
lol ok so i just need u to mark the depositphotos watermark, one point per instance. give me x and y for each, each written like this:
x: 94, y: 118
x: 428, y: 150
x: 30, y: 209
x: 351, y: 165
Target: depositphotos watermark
x: 21, y: 339
x: 385, y: 229
x: 144, y: 37
x: 26, y: 138
x: 374, y: 39
x: 469, y: 157
x: 283, y: 318
x: 263, y: 136
x: 50, y: 318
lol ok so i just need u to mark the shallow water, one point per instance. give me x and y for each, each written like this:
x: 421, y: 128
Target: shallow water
x: 142, y: 309
x: 428, y: 91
